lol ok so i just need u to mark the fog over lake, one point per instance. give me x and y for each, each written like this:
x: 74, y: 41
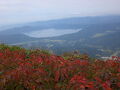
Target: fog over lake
x: 51, y: 32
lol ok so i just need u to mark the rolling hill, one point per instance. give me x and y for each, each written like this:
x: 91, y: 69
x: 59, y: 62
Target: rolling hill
x: 99, y: 35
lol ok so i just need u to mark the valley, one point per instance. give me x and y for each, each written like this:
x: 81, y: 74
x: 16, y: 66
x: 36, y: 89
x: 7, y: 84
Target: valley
x: 96, y: 36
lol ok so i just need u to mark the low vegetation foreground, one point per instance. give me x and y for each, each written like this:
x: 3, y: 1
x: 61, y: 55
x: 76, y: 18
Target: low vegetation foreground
x: 22, y: 69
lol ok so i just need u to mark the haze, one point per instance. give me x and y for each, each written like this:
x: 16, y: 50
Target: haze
x: 21, y: 11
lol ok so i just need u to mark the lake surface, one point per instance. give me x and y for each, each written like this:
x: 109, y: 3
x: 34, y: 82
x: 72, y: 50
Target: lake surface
x: 51, y: 32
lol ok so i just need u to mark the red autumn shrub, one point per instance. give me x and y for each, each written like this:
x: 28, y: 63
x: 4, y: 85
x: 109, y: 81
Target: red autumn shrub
x: 22, y: 69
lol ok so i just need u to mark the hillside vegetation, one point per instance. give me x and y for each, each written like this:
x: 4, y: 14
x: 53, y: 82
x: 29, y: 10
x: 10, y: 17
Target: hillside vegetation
x: 22, y: 69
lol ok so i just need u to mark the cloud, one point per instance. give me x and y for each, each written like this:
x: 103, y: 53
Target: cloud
x: 31, y: 10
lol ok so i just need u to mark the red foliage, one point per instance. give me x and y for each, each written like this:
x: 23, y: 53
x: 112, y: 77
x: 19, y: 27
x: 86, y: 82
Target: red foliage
x: 1, y: 54
x: 38, y: 71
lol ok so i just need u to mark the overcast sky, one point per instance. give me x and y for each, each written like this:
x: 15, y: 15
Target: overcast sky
x: 18, y: 11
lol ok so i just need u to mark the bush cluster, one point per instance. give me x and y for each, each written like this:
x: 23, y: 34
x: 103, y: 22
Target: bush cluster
x: 22, y: 69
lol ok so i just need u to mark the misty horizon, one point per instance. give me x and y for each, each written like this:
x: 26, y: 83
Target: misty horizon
x: 25, y: 11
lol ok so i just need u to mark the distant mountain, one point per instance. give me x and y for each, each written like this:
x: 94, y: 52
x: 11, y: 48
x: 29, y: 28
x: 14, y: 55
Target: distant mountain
x: 69, y: 23
x: 99, y: 35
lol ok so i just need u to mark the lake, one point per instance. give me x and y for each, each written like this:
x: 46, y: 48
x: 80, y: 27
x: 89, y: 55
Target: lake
x: 51, y: 32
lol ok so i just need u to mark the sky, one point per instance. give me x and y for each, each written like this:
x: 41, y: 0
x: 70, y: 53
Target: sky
x: 22, y: 11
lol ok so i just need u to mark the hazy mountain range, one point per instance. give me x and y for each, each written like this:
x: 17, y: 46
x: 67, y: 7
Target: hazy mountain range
x: 98, y: 36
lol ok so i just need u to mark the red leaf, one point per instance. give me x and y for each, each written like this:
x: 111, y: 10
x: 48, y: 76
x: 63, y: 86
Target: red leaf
x: 57, y: 75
